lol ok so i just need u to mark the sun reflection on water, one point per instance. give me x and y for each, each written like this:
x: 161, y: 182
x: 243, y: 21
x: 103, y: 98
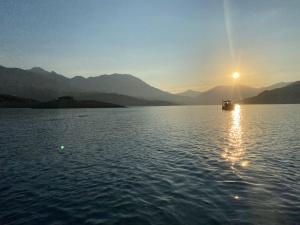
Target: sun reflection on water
x: 235, y: 151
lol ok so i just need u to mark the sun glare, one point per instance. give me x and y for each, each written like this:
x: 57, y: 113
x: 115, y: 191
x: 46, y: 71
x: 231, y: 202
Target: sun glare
x: 235, y: 75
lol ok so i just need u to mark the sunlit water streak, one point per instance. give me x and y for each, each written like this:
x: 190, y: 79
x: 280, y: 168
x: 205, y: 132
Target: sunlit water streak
x: 150, y: 165
x: 235, y: 152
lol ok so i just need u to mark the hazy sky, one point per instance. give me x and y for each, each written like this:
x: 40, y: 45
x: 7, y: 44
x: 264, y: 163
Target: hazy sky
x: 173, y: 45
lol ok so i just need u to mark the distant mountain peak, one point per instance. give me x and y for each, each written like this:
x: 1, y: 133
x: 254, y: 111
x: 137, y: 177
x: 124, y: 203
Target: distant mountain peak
x: 39, y: 70
x: 190, y: 93
x: 277, y: 85
x: 118, y: 75
x: 190, y: 90
x: 114, y: 75
x: 78, y: 78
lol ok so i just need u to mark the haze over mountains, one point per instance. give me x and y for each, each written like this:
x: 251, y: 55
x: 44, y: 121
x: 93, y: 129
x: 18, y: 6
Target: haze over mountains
x: 236, y: 92
x: 190, y: 93
x: 121, y: 89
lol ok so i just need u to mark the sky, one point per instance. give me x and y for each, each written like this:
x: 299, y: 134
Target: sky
x: 174, y: 45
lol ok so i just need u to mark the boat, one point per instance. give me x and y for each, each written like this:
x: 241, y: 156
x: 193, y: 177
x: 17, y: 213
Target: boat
x: 227, y: 105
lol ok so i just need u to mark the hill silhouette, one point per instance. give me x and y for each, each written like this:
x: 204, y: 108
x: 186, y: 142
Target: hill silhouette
x: 9, y: 101
x: 120, y: 89
x: 42, y: 85
x: 286, y: 95
x: 70, y: 102
x: 234, y: 92
x: 216, y: 94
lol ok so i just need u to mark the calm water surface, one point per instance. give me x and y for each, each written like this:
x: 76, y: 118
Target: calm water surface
x: 186, y: 165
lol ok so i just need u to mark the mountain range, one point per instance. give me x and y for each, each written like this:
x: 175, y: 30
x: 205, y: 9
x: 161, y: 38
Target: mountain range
x: 236, y: 93
x: 121, y: 89
x: 37, y: 83
x: 289, y: 94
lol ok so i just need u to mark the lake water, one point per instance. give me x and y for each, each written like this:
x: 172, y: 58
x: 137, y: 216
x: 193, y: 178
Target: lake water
x: 186, y: 165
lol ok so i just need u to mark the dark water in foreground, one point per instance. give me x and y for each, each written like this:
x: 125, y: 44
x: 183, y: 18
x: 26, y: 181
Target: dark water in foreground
x: 150, y: 165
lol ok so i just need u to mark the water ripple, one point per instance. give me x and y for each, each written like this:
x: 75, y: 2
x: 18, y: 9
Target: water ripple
x: 152, y: 165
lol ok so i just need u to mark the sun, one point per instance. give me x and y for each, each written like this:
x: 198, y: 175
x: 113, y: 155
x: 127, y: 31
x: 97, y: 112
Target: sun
x: 235, y: 75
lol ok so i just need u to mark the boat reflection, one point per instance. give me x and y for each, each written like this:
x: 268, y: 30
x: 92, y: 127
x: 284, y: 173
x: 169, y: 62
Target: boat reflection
x: 234, y: 153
